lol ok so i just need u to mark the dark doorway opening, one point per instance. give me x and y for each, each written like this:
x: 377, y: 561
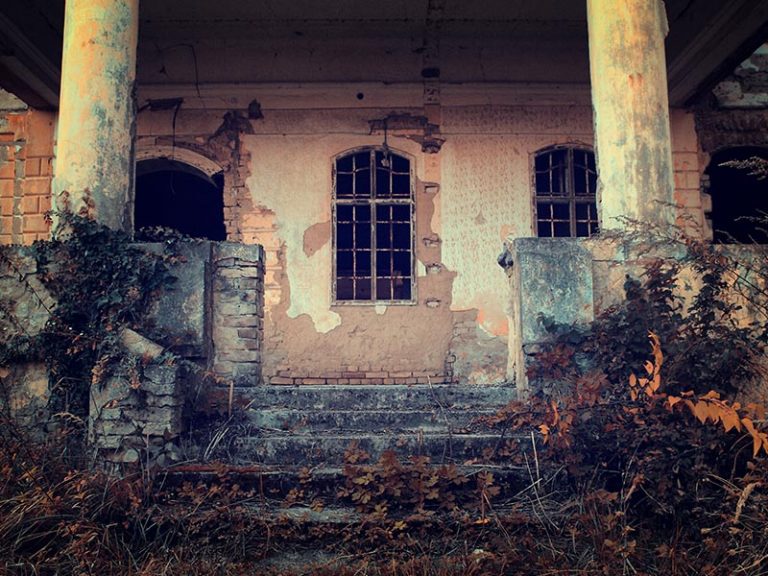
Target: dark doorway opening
x: 739, y: 198
x: 171, y: 194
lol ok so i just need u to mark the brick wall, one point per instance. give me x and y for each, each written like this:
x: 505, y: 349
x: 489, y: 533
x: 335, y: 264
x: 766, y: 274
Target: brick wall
x: 691, y: 203
x: 237, y: 312
x: 26, y: 160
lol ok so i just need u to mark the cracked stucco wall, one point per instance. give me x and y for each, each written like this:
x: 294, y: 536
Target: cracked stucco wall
x: 277, y: 172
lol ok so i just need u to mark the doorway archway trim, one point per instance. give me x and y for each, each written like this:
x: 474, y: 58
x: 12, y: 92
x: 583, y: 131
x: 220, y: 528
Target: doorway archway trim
x: 184, y: 155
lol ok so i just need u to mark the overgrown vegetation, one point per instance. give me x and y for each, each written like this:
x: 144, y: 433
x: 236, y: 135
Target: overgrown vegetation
x: 100, y: 284
x: 634, y: 456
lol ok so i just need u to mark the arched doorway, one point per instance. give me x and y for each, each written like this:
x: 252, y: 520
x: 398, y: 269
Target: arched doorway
x: 739, y: 197
x: 176, y: 195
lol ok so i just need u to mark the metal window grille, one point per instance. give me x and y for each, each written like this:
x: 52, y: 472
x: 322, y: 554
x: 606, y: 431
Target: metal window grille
x: 565, y: 183
x: 373, y: 227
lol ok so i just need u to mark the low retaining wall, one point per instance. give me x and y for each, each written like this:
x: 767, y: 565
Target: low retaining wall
x: 212, y: 317
x: 570, y: 281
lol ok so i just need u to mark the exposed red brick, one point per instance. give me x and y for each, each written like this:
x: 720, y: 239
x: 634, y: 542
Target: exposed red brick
x: 6, y: 188
x: 35, y: 223
x: 30, y: 205
x: 38, y: 185
x: 32, y: 167
x: 8, y: 169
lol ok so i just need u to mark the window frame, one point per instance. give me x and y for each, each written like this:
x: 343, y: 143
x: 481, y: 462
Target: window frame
x: 372, y: 201
x: 571, y: 198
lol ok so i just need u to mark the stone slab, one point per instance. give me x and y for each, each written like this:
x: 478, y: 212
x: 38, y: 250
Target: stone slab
x: 180, y: 312
x: 553, y: 284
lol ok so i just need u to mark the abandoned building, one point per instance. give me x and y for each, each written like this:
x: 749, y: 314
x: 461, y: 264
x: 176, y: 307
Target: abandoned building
x: 358, y: 166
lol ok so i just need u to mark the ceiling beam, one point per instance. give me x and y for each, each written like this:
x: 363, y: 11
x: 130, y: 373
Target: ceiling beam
x: 708, y: 39
x: 30, y: 53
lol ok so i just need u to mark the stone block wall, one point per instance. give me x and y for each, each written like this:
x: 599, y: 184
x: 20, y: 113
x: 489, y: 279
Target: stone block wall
x: 25, y: 303
x: 237, y: 312
x: 571, y: 281
x: 139, y: 419
x: 212, y: 315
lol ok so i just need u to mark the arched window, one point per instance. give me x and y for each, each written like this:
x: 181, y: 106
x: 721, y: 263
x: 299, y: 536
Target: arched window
x: 373, y: 227
x: 739, y: 195
x: 173, y: 194
x: 565, y: 187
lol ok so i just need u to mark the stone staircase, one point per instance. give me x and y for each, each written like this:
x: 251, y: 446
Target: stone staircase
x: 284, y: 431
x: 286, y: 451
x: 314, y: 425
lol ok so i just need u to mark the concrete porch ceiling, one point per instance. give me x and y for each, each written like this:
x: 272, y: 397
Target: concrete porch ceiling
x: 273, y: 41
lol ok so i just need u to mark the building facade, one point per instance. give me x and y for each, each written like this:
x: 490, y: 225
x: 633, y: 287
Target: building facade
x: 381, y: 153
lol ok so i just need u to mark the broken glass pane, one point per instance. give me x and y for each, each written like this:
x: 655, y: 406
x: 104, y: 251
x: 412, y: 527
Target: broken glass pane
x: 343, y: 213
x: 362, y: 235
x: 344, y: 236
x: 344, y: 164
x: 400, y: 164
x: 382, y: 182
x: 344, y: 263
x: 363, y: 213
x: 383, y: 263
x: 401, y: 212
x: 402, y: 263
x: 384, y: 289
x: 401, y: 185
x: 401, y: 236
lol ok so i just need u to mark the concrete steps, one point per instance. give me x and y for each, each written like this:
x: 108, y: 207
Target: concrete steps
x: 315, y: 425
x: 328, y: 449
x: 282, y: 420
x: 285, y: 453
x: 366, y: 397
x: 274, y: 483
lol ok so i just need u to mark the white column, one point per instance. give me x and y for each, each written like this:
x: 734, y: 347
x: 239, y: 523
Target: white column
x: 97, y: 114
x: 631, y: 111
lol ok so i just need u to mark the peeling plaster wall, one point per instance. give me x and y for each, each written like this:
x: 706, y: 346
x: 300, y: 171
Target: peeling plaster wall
x: 278, y: 194
x: 736, y: 111
x: 485, y: 195
x: 307, y: 339
x: 487, y: 198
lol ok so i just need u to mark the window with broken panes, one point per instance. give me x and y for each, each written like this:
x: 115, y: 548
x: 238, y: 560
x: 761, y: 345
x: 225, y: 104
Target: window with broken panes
x: 373, y: 227
x: 566, y: 186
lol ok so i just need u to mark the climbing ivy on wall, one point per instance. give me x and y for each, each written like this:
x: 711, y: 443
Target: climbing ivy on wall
x: 100, y: 283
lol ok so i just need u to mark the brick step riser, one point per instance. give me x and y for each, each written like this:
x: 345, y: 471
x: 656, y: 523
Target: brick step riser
x: 329, y: 450
x: 383, y: 421
x: 388, y: 397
